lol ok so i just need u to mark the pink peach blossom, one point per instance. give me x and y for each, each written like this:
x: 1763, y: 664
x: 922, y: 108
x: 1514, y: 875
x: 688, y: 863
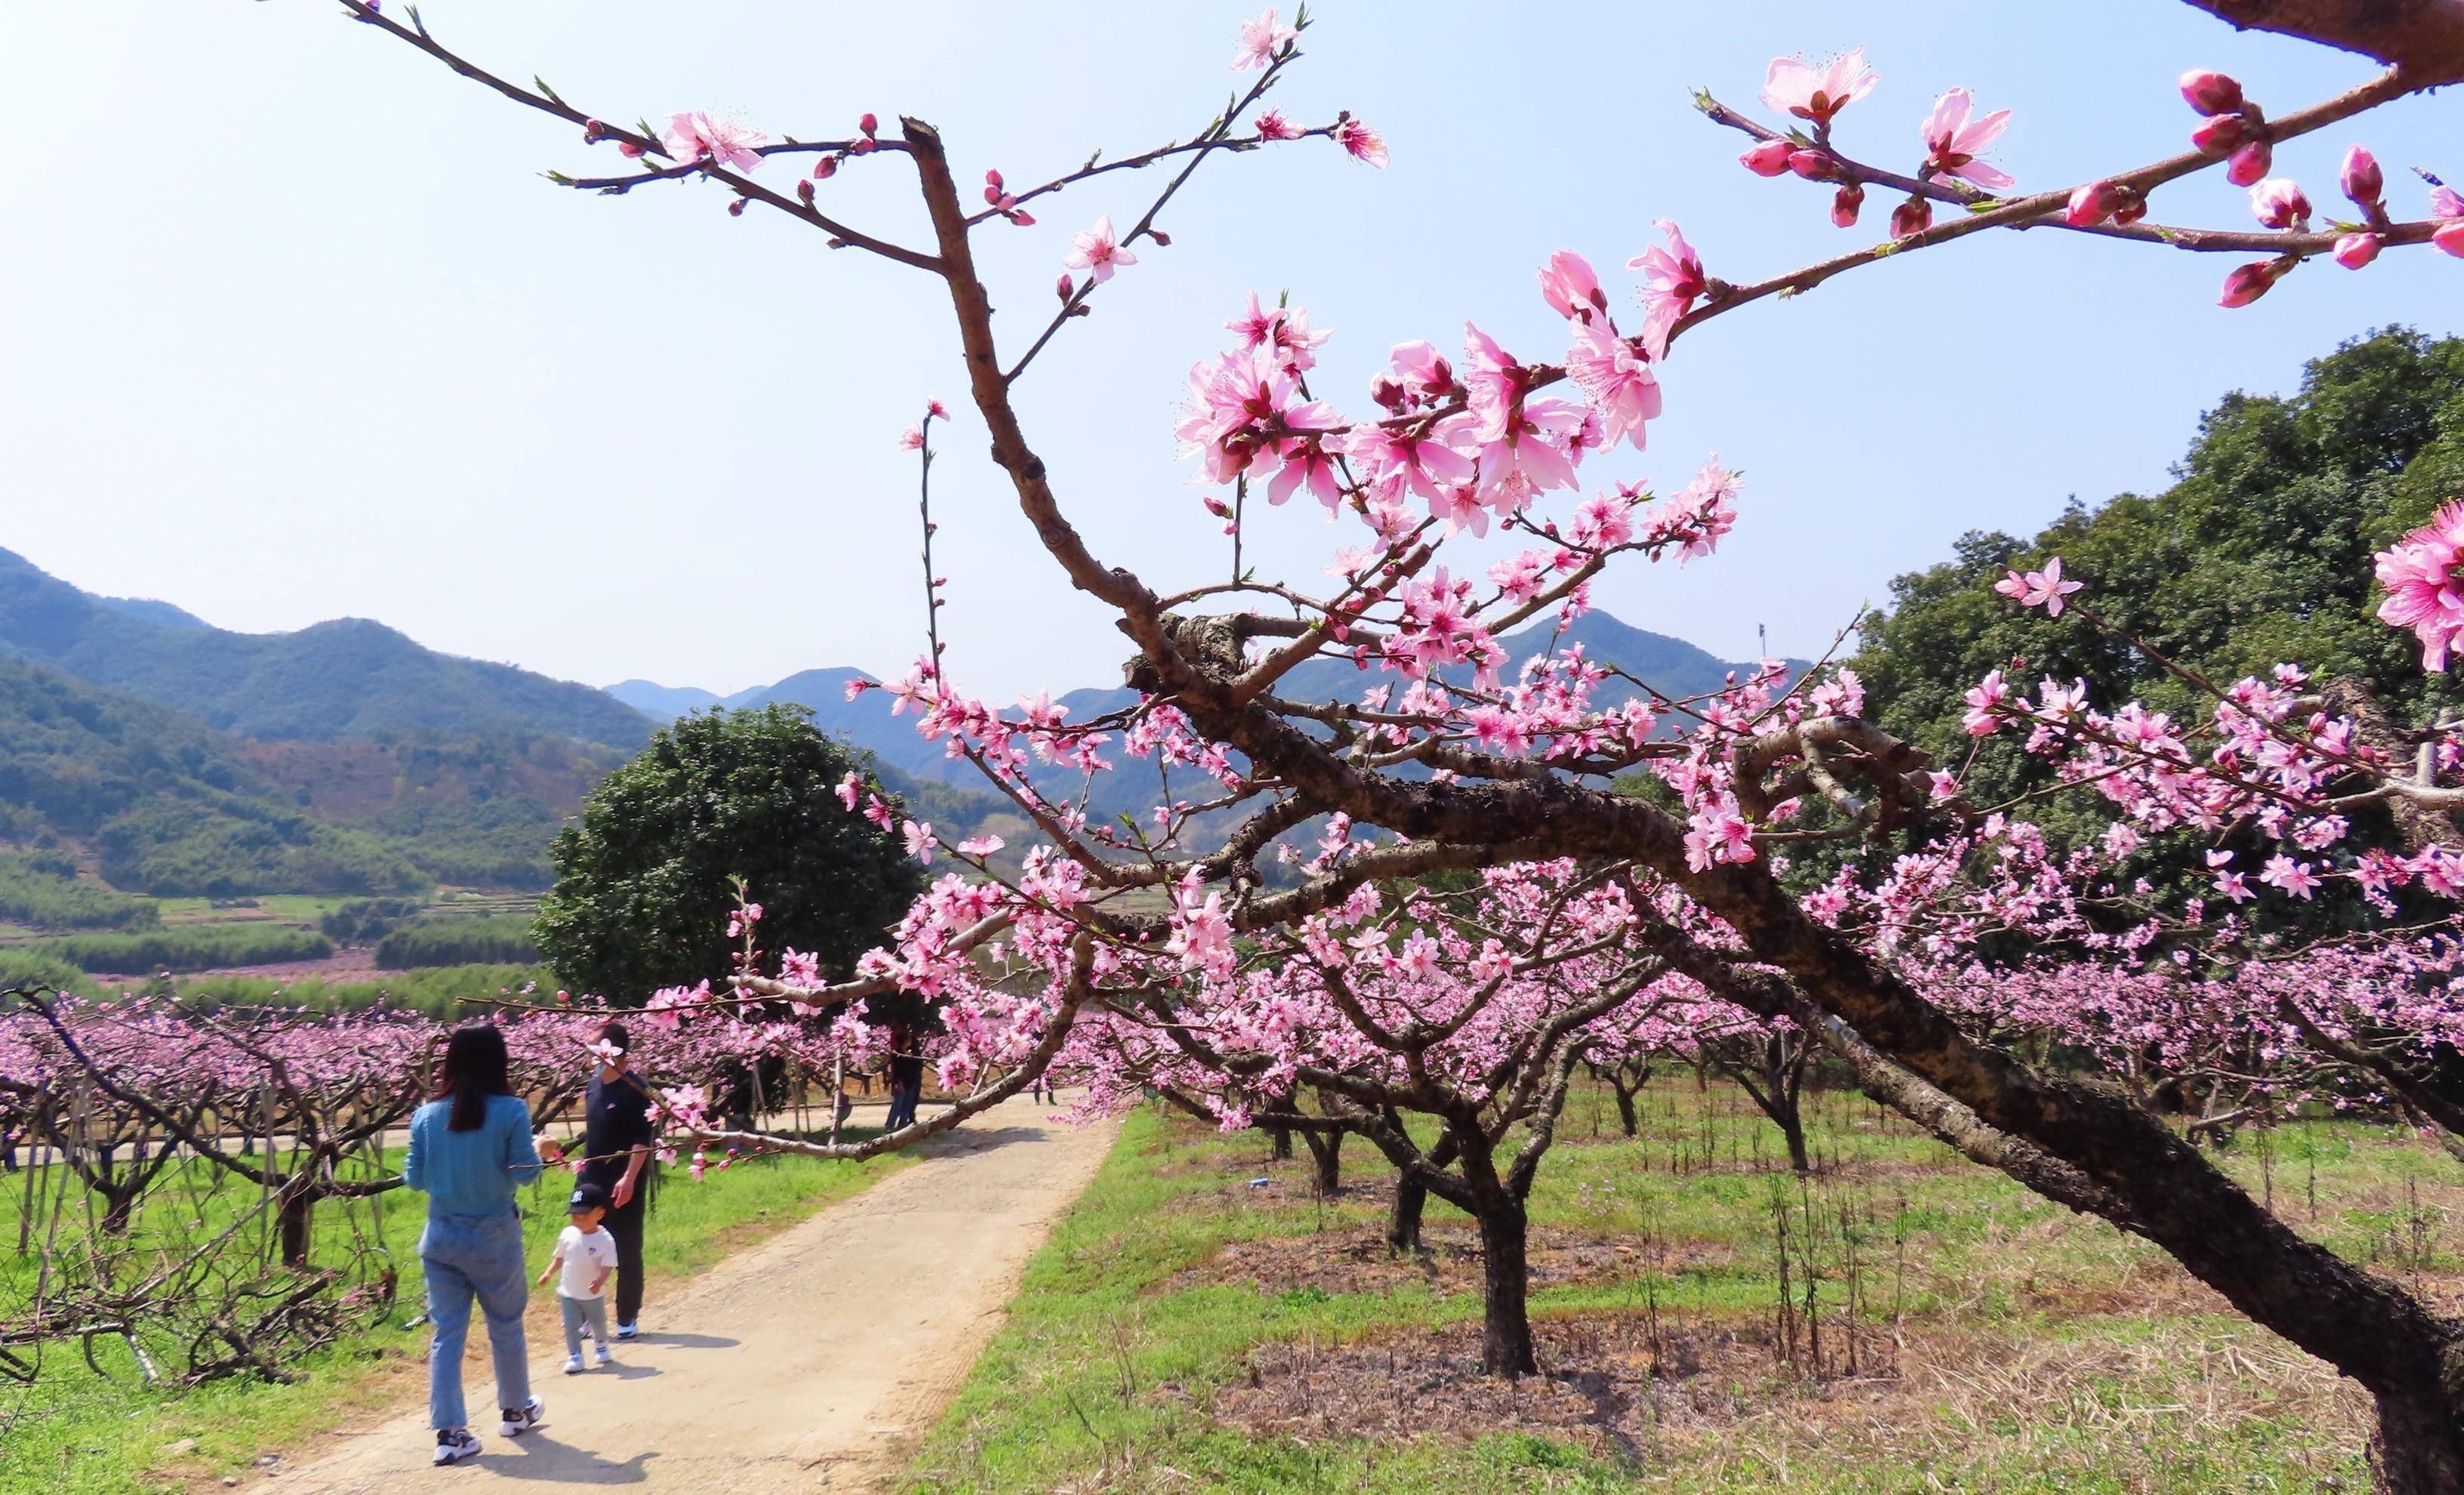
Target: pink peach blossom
x: 1260, y: 40
x: 1798, y: 88
x: 1953, y: 141
x: 1357, y: 138
x: 1097, y: 251
x: 695, y: 136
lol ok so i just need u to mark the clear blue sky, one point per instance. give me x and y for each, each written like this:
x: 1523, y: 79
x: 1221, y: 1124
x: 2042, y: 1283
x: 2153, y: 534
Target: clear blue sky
x: 295, y: 330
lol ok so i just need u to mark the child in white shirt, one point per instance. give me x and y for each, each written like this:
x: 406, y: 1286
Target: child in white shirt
x: 586, y: 1254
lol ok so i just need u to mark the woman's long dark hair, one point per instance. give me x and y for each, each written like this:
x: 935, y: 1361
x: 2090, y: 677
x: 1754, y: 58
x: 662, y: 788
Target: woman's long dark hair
x: 475, y: 1068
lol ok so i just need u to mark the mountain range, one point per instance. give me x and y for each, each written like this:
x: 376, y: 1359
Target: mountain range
x: 1671, y: 665
x: 346, y: 677
x: 168, y: 755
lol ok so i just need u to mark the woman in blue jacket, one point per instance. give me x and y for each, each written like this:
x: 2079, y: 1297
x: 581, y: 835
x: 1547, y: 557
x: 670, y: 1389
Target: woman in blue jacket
x: 469, y: 1148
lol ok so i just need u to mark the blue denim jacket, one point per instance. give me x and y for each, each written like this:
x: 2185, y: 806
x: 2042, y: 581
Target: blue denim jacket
x: 471, y: 1173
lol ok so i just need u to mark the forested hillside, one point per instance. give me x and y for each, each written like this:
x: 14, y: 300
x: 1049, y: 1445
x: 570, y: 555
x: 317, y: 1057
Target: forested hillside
x: 340, y: 678
x: 161, y: 804
x: 2259, y: 553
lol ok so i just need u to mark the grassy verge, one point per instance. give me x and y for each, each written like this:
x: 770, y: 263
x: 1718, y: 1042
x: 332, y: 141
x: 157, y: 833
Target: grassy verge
x: 76, y: 1432
x: 1187, y: 1329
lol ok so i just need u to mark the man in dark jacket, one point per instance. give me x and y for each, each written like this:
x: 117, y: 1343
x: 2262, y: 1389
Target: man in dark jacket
x: 619, y: 1131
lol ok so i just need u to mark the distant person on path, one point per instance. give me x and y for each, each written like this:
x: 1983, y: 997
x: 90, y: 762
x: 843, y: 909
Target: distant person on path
x: 470, y: 1146
x: 618, y: 1133
x: 906, y: 1079
x: 585, y: 1257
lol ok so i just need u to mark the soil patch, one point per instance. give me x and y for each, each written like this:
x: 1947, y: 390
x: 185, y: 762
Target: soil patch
x: 1618, y: 1386
x: 1356, y: 1260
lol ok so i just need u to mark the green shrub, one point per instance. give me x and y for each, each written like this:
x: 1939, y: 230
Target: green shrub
x: 40, y: 889
x: 20, y: 966
x: 202, y: 947
x: 445, y: 992
x: 489, y: 938
x: 363, y: 921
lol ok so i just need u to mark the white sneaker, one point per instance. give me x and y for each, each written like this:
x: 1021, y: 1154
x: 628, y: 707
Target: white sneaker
x: 455, y: 1446
x: 522, y: 1418
x: 627, y: 1331
x: 604, y: 1359
x: 573, y: 1363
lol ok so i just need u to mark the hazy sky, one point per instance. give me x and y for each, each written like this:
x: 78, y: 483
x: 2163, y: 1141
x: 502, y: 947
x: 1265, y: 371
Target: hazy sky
x: 291, y: 328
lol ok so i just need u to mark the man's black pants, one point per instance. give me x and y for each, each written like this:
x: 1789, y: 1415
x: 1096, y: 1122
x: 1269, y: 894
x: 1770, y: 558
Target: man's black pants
x: 626, y: 1225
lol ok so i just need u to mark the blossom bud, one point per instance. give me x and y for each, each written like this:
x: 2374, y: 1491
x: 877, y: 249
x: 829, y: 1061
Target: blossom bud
x: 2210, y: 92
x: 2280, y: 203
x: 1217, y: 507
x: 735, y: 208
x: 1022, y: 217
x: 2222, y: 133
x: 1844, y: 204
x: 1386, y: 392
x: 804, y: 193
x: 1770, y: 159
x: 2250, y: 282
x: 2355, y: 249
x: 1161, y: 237
x: 827, y: 168
x: 1061, y: 287
x: 1814, y: 166
x: 2445, y: 202
x: 2364, y: 181
x: 592, y: 132
x: 868, y: 125
x: 2132, y: 210
x: 2249, y: 163
x: 1913, y: 216
x: 993, y: 180
x: 2451, y: 238
x: 2094, y: 203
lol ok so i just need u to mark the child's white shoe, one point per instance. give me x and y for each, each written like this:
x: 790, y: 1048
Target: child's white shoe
x: 604, y: 1359
x: 573, y: 1365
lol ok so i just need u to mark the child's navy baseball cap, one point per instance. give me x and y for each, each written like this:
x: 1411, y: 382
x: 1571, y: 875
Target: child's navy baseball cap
x: 588, y: 1196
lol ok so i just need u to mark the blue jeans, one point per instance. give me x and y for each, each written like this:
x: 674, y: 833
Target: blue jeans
x: 480, y: 1257
x: 579, y: 1311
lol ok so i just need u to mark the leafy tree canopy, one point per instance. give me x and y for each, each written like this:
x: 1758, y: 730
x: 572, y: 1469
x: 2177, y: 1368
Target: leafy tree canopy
x: 642, y: 898
x: 2259, y: 553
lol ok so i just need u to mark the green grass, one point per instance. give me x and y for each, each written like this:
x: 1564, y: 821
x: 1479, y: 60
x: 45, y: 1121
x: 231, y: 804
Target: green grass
x: 77, y: 1433
x: 2037, y: 1350
x: 193, y: 947
x: 500, y: 937
x: 42, y: 890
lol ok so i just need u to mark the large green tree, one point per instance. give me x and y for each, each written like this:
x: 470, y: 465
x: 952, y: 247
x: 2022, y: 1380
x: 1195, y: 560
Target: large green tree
x: 644, y: 887
x: 2259, y: 553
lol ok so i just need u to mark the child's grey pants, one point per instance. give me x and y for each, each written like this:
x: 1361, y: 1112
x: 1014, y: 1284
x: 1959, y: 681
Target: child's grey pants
x: 579, y: 1311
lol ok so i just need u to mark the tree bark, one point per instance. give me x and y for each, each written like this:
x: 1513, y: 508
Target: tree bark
x: 297, y: 1209
x: 2423, y: 38
x: 1625, y: 1110
x: 1506, y: 1270
x: 2420, y: 1446
x: 1792, y: 1127
x: 1403, y: 1218
x: 1326, y: 1151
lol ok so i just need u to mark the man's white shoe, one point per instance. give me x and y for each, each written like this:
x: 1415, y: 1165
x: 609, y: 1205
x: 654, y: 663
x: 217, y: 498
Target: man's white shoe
x: 628, y: 1330
x: 522, y: 1418
x: 455, y: 1446
x: 573, y: 1364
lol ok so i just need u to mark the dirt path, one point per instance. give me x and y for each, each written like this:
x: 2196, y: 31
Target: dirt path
x: 811, y: 1362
